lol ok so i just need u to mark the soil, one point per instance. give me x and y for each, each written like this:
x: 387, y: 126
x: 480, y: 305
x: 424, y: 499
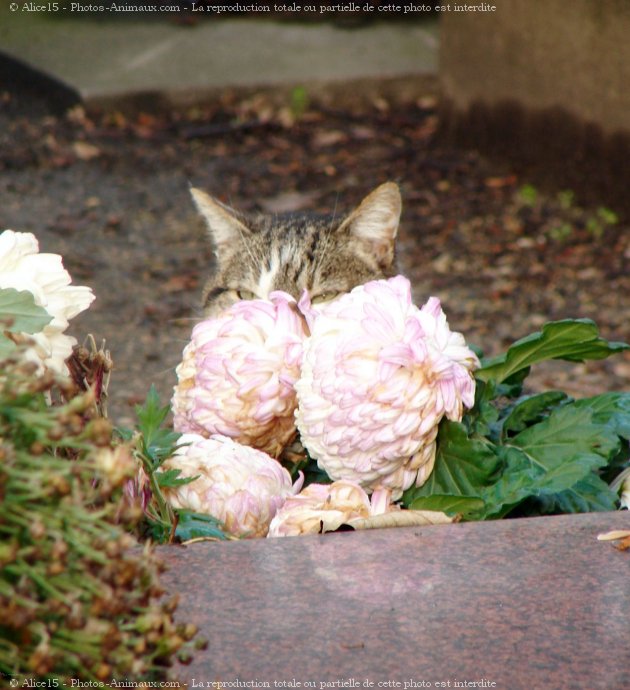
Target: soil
x: 110, y: 193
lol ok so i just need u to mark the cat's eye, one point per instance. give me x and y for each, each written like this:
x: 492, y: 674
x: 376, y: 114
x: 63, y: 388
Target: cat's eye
x: 245, y: 294
x: 324, y: 297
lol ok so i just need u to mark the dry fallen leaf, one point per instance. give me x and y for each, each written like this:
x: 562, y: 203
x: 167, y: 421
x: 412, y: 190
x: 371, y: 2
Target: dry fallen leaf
x: 613, y: 535
x: 84, y: 151
x: 403, y: 518
x: 622, y: 536
x: 289, y: 201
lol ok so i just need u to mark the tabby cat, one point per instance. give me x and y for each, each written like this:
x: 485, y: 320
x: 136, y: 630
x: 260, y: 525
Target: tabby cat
x: 290, y: 252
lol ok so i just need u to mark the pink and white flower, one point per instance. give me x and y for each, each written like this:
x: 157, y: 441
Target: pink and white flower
x: 238, y: 374
x: 238, y: 485
x: 23, y: 268
x: 378, y: 375
x: 323, y: 508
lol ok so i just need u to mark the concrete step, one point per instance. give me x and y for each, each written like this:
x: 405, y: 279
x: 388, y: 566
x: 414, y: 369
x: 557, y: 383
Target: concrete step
x: 106, y: 57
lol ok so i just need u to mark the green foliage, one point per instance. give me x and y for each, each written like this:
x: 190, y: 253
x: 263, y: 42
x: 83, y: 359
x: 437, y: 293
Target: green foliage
x: 607, y: 216
x: 299, y: 102
x: 561, y: 232
x: 572, y: 217
x: 195, y: 526
x: 536, y: 454
x: 572, y: 340
x: 309, y: 468
x: 529, y: 194
x: 603, y: 218
x: 566, y: 198
x: 157, y: 442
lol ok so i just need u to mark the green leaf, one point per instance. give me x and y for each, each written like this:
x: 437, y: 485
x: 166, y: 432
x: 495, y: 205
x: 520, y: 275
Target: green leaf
x: 151, y: 415
x: 525, y: 478
x: 158, y: 443
x: 464, y: 466
x: 481, y: 419
x: 590, y: 494
x: 530, y: 410
x: 550, y: 457
x: 451, y: 505
x: 611, y: 409
x: 171, y: 479
x: 568, y: 431
x: 20, y: 314
x: 571, y: 340
x: 529, y: 194
x: 607, y: 215
x: 194, y: 525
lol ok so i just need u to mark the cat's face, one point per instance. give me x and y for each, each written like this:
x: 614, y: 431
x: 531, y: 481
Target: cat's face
x: 328, y: 256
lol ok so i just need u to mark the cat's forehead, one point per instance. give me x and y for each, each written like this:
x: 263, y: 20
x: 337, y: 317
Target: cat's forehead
x: 292, y: 223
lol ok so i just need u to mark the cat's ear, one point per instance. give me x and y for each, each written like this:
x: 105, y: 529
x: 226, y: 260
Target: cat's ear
x: 375, y: 222
x: 223, y: 222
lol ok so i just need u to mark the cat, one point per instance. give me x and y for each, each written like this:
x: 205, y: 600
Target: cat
x: 324, y: 254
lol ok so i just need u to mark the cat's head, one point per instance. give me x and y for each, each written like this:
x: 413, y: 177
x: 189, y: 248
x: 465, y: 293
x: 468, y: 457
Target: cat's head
x: 325, y: 254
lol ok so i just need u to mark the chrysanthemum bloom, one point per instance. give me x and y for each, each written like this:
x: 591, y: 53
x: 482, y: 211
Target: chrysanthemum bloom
x: 378, y: 375
x: 23, y: 268
x: 323, y: 508
x: 238, y: 373
x: 240, y: 486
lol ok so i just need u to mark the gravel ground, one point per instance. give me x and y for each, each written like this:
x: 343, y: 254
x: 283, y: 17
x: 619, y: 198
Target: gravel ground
x: 110, y: 193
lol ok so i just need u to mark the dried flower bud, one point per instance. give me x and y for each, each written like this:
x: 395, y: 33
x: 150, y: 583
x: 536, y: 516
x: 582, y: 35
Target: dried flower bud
x: 37, y: 448
x: 116, y: 464
x: 55, y: 568
x: 37, y: 530
x: 99, y: 430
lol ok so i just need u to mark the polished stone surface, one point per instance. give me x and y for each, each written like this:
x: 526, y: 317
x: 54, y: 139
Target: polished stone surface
x: 537, y: 603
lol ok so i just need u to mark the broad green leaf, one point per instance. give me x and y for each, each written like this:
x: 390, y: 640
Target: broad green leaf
x: 530, y: 410
x: 481, y: 419
x: 20, y: 314
x: 550, y: 457
x: 589, y: 495
x: 568, y: 431
x: 451, y: 505
x: 194, y: 525
x: 571, y: 340
x: 463, y: 466
x: 611, y: 409
x: 525, y: 479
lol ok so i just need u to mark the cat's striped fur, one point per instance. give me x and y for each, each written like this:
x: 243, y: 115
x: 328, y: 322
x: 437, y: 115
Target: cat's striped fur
x: 328, y: 256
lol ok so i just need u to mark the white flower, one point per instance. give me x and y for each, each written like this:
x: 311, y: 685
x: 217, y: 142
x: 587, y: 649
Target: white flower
x: 378, y: 375
x: 238, y: 485
x: 23, y: 268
